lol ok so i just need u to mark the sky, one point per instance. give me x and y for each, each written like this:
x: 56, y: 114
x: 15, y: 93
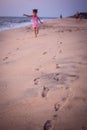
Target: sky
x: 47, y: 8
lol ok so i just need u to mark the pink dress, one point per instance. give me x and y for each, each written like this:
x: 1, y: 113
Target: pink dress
x: 35, y: 21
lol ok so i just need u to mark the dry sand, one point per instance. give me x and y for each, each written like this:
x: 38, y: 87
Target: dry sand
x: 43, y: 80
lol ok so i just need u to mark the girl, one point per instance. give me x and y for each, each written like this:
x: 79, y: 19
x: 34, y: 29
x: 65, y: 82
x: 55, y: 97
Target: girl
x: 35, y: 20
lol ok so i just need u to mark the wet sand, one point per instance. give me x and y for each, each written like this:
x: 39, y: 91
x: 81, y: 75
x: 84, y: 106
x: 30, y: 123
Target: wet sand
x: 43, y: 80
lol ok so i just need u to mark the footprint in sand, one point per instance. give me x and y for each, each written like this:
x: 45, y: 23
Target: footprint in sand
x: 4, y: 59
x: 69, y: 30
x: 69, y: 107
x: 84, y: 128
x: 54, y: 57
x: 56, y: 77
x: 64, y: 99
x: 45, y: 91
x: 17, y: 49
x: 60, y: 51
x: 47, y: 125
x: 66, y: 87
x: 60, y: 42
x: 57, y: 66
x: 55, y: 116
x: 50, y: 124
x: 36, y: 81
x: 37, y: 69
x: 44, y: 53
x: 9, y: 53
x: 57, y: 106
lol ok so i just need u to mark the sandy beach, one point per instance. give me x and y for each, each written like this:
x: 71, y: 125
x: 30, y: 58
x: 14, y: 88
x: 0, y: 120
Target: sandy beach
x: 43, y: 80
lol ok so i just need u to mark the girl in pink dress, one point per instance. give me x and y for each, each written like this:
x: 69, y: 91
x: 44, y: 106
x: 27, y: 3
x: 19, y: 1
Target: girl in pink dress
x: 35, y: 21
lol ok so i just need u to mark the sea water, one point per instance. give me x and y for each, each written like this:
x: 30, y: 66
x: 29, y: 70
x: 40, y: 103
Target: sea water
x: 7, y: 23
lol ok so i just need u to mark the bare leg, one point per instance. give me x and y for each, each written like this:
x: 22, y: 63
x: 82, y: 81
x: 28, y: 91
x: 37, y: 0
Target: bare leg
x: 35, y: 31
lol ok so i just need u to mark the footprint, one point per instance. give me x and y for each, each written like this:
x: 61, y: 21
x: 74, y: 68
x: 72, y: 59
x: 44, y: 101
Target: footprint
x: 56, y: 77
x: 64, y: 99
x: 44, y: 53
x: 60, y: 51
x: 57, y: 74
x: 54, y: 57
x: 69, y: 30
x: 55, y: 116
x: 69, y: 107
x: 57, y: 106
x: 67, y: 87
x: 36, y: 81
x: 47, y: 125
x: 17, y: 49
x: 50, y: 124
x: 83, y: 128
x: 45, y: 91
x: 37, y: 69
x: 60, y: 42
x: 57, y: 66
x: 9, y: 53
x: 62, y: 31
x: 5, y: 58
x: 58, y: 46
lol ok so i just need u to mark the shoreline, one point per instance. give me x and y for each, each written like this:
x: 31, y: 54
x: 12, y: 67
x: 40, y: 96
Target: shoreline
x: 23, y: 24
x: 30, y: 25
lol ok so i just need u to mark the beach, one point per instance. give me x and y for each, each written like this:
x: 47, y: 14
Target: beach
x: 43, y: 80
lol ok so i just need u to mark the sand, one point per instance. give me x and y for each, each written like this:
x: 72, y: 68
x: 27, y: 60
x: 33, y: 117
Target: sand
x: 43, y: 80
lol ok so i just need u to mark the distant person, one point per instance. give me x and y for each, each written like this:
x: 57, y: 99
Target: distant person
x: 77, y: 15
x: 61, y: 16
x: 35, y: 21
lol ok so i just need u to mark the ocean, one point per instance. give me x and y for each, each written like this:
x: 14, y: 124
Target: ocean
x: 7, y: 23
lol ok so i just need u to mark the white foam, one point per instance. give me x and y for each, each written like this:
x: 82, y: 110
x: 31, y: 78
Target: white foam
x: 15, y: 25
x: 9, y: 26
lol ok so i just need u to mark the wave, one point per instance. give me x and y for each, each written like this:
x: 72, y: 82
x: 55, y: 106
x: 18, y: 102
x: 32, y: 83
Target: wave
x: 7, y: 23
